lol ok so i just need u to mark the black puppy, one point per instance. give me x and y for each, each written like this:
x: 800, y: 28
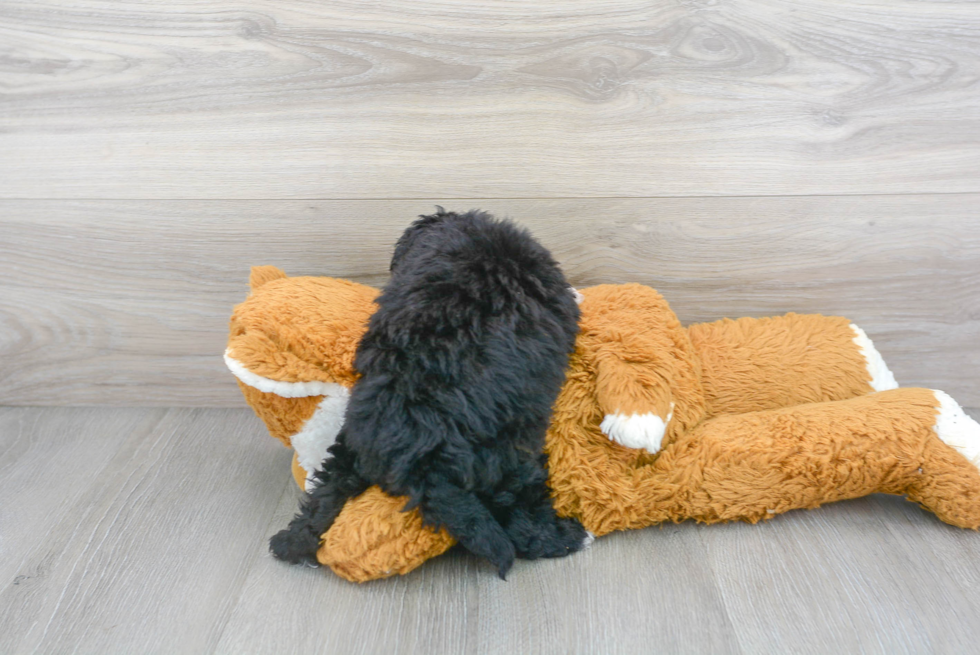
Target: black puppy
x: 459, y: 367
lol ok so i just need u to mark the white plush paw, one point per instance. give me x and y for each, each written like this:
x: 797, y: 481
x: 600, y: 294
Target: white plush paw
x: 589, y: 538
x: 957, y: 429
x: 644, y: 431
x: 882, y: 378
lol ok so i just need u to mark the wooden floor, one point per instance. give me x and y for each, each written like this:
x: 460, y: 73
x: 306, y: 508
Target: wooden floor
x: 144, y: 530
x: 744, y: 158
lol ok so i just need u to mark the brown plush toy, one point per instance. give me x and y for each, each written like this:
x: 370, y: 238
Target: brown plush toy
x: 721, y: 421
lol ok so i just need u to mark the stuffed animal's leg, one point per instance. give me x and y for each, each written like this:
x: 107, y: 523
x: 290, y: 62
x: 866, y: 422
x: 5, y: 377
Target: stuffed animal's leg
x: 756, y: 465
x: 335, y: 483
x: 374, y: 537
x: 755, y: 364
x: 948, y: 483
x: 916, y: 442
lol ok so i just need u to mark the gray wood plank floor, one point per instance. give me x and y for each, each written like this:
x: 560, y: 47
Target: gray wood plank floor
x: 128, y: 530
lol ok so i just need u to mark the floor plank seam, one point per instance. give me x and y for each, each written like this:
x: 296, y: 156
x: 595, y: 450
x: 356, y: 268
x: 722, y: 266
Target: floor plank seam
x: 721, y: 593
x: 254, y: 558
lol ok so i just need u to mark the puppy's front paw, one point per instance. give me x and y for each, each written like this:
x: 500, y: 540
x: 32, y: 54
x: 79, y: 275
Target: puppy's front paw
x: 644, y: 431
x: 295, y: 546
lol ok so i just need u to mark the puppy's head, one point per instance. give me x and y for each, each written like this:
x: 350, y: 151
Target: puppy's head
x: 479, y: 249
x: 420, y: 233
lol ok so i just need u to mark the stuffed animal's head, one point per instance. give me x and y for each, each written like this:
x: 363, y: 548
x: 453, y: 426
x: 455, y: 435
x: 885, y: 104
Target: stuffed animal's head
x: 291, y: 346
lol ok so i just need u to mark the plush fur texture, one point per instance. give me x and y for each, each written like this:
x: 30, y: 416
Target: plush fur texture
x: 760, y: 416
x: 459, y: 367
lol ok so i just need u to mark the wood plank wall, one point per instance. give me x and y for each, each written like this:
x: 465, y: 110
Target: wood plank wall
x: 745, y: 158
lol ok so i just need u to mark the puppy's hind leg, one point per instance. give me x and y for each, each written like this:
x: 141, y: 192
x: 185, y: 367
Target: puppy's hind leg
x: 534, y: 528
x: 468, y: 520
x: 334, y: 484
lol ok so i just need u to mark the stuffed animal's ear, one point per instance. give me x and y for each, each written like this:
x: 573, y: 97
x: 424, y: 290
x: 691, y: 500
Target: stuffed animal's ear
x: 262, y: 274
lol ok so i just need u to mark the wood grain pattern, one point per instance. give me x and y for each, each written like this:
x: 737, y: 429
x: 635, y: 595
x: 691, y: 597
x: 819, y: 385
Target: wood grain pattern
x: 48, y: 463
x: 800, y: 583
x: 145, y: 552
x: 455, y: 604
x: 126, y: 302
x: 143, y: 530
x: 431, y: 611
x: 422, y: 99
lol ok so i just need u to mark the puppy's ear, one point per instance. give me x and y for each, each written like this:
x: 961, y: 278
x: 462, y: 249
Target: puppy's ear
x: 262, y: 274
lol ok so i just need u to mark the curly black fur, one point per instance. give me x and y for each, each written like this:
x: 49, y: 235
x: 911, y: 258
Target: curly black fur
x: 460, y: 366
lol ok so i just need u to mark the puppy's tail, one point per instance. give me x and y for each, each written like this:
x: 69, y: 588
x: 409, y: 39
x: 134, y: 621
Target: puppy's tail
x: 469, y: 521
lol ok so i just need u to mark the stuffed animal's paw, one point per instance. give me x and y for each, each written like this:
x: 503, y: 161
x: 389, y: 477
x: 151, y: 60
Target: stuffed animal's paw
x: 955, y: 427
x: 373, y: 538
x: 644, y: 431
